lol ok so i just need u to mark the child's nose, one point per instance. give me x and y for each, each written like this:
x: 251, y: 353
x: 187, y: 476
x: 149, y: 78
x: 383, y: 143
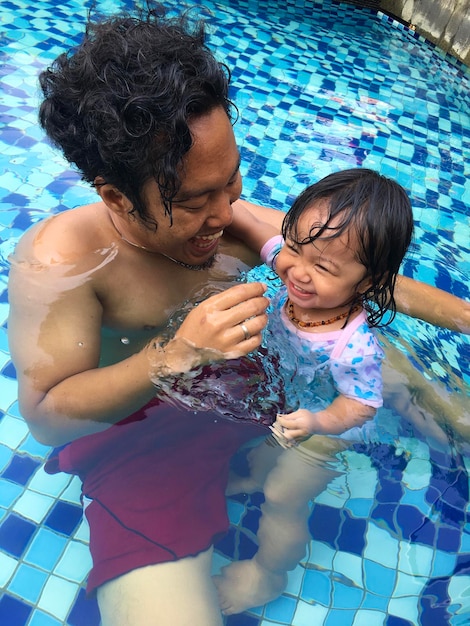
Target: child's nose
x: 299, y: 271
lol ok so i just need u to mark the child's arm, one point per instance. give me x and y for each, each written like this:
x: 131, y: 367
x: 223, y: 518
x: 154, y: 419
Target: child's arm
x: 250, y: 229
x: 341, y: 415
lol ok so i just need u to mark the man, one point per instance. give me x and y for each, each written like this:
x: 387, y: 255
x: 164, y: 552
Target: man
x: 142, y: 109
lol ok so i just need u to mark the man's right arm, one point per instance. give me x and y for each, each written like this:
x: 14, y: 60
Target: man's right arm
x: 254, y: 225
x: 55, y: 341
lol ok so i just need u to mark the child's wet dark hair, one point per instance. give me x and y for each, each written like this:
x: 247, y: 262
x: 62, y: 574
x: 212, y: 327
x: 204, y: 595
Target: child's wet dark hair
x: 380, y: 214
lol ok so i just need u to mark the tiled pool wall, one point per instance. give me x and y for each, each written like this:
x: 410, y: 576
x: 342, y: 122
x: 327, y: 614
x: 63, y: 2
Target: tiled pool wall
x: 390, y: 538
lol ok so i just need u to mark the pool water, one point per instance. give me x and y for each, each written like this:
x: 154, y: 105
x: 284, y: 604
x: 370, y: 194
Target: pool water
x: 320, y: 86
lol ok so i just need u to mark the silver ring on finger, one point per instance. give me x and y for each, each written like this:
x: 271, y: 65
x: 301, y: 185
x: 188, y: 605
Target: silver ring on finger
x: 246, y: 332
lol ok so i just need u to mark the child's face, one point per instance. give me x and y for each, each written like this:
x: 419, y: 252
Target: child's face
x: 324, y: 274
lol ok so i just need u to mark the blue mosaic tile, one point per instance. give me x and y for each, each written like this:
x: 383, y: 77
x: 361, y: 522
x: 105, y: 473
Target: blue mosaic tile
x: 45, y: 549
x: 247, y: 548
x: 448, y: 539
x: 352, y: 535
x: 375, y: 602
x: 378, y: 579
x: 392, y: 620
x: 317, y: 587
x: 57, y: 596
x: 64, y: 517
x: 20, y: 469
x: 42, y: 619
x: 84, y: 612
x: 281, y: 611
x: 242, y: 620
x: 28, y: 583
x: 13, y: 611
x: 226, y: 545
x: 15, y: 534
x: 324, y: 523
x: 346, y: 596
x: 390, y: 491
x: 434, y: 603
x: 339, y: 618
x: 251, y: 519
x: 414, y: 526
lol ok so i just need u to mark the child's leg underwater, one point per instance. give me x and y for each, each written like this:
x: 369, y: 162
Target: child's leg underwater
x: 283, y: 535
x: 261, y: 460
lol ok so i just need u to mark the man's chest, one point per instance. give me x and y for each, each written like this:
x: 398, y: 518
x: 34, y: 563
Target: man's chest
x: 146, y: 296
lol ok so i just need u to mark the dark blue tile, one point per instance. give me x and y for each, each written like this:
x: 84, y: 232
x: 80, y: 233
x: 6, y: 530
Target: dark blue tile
x: 15, y: 534
x: 434, y: 602
x: 413, y: 523
x: 226, y: 544
x: 448, y: 539
x: 324, y: 523
x: 257, y: 499
x: 15, y: 199
x: 462, y: 565
x: 385, y: 513
x: 247, y: 548
x: 425, y: 534
x: 452, y: 515
x: 9, y: 371
x: 20, y: 469
x: 64, y: 517
x: 389, y: 491
x: 352, y: 535
x: 251, y: 520
x: 14, y: 612
x: 393, y: 620
x: 84, y: 612
x: 242, y: 620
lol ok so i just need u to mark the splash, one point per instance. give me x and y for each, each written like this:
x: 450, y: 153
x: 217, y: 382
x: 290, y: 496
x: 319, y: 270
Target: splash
x: 247, y: 389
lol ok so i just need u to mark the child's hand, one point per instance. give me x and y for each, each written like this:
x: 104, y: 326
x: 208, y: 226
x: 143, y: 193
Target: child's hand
x: 342, y: 414
x: 292, y: 428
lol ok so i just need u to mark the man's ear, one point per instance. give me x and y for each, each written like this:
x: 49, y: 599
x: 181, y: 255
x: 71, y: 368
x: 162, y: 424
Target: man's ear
x: 112, y: 197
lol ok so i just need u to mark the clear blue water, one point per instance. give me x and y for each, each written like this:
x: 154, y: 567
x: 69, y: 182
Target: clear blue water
x: 320, y: 87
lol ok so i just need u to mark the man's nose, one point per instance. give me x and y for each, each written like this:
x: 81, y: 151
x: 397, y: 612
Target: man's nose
x: 221, y: 211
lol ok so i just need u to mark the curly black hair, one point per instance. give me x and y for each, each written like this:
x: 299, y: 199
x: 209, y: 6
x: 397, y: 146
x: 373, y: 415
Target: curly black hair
x: 380, y: 212
x: 120, y: 104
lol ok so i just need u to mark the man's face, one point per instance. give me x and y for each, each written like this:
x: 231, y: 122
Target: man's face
x: 210, y: 183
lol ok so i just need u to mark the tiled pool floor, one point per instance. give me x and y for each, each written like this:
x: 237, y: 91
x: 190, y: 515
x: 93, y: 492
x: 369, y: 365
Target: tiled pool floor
x: 320, y: 87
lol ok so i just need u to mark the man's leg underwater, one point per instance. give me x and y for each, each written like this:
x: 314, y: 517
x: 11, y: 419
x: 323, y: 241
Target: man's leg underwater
x: 177, y: 593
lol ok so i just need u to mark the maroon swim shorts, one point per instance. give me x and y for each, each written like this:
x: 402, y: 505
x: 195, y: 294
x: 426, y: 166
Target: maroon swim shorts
x: 156, y: 482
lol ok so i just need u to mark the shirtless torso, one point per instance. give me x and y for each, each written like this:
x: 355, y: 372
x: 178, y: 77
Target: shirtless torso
x: 98, y: 300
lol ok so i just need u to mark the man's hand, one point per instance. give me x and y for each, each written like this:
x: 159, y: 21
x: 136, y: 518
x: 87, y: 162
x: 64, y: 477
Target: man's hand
x: 230, y: 322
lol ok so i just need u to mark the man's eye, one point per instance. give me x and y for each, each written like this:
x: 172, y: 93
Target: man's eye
x: 234, y: 180
x: 187, y: 205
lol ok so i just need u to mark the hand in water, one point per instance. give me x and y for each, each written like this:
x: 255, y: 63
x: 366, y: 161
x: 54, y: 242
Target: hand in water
x: 230, y: 322
x: 292, y: 428
x: 226, y: 326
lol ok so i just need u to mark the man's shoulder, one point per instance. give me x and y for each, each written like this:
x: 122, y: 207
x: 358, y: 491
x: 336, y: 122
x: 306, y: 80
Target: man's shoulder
x: 63, y: 238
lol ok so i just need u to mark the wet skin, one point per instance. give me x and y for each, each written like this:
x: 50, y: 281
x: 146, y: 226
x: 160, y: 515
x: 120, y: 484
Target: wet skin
x: 79, y: 286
